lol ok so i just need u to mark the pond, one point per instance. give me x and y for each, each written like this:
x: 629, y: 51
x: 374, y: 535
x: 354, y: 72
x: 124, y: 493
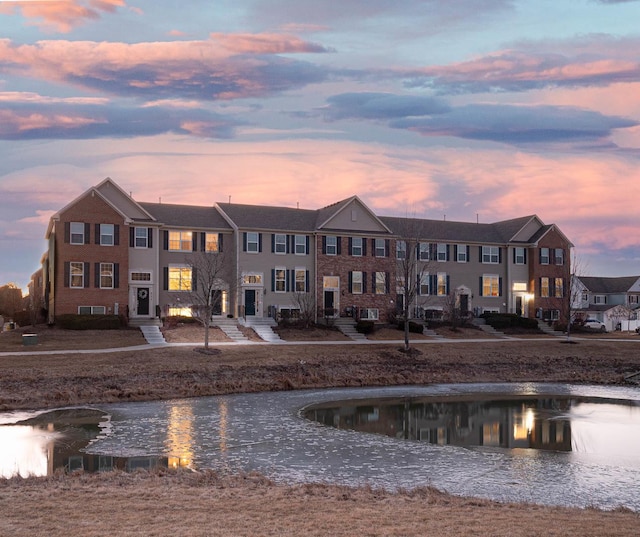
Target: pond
x: 544, y: 443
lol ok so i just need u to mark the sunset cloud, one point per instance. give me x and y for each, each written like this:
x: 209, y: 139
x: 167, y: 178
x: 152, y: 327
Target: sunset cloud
x: 192, y: 69
x: 61, y: 15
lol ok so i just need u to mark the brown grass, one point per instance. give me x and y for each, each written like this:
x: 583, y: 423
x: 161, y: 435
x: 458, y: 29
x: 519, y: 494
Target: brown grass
x: 208, y: 504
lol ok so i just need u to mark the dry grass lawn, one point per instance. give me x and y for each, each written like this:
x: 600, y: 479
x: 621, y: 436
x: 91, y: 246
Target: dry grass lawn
x: 207, y: 504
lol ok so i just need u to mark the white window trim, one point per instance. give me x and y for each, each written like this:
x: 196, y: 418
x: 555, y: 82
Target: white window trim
x: 401, y: 249
x: 358, y: 247
x: 276, y: 280
x: 382, y: 281
x: 333, y: 247
x: 496, y: 278
x: 370, y: 314
x: 209, y: 239
x: 93, y: 310
x: 259, y: 279
x: 304, y: 279
x: 251, y: 242
x: 441, y: 278
x: 488, y: 255
x: 543, y: 257
x: 279, y: 244
x: 441, y: 252
x: 424, y: 251
x: 138, y: 237
x: 380, y: 245
x: 520, y: 259
x: 354, y: 282
x: 180, y: 267
x: 300, y: 241
x: 103, y: 234
x: 181, y: 240
x: 111, y: 275
x: 462, y: 254
x: 72, y: 232
x: 81, y: 275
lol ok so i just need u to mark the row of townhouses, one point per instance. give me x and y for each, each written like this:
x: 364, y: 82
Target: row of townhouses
x: 110, y: 254
x: 614, y: 301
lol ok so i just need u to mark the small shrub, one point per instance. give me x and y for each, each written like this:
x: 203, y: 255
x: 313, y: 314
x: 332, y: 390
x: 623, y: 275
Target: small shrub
x: 365, y: 327
x: 90, y: 322
x: 414, y: 327
x: 509, y: 320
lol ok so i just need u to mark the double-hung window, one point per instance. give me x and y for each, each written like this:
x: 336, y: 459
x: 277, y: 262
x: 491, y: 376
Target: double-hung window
x: 76, y: 232
x: 424, y: 251
x: 544, y: 287
x: 179, y: 278
x: 519, y: 256
x: 442, y: 283
x: 380, y: 248
x: 559, y: 287
x: 76, y: 274
x: 301, y: 245
x: 559, y: 256
x: 490, y: 285
x: 211, y: 243
x: 301, y: 280
x: 180, y: 241
x: 380, y: 287
x: 280, y: 280
x: 401, y: 249
x: 106, y: 234
x: 356, y: 282
x: 253, y: 242
x: 106, y: 275
x: 461, y: 253
x: 424, y: 284
x: 442, y: 251
x: 491, y: 254
x: 356, y: 246
x: 280, y: 243
x: 141, y: 237
x: 331, y: 242
x: 544, y: 256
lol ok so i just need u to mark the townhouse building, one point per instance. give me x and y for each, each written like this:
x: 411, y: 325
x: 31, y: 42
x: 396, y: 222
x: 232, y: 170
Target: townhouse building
x: 111, y: 254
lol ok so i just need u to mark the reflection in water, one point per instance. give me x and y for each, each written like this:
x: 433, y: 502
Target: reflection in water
x: 180, y: 435
x: 53, y: 441
x: 550, y: 423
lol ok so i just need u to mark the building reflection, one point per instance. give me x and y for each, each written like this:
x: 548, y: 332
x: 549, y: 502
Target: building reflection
x: 540, y: 423
x: 180, y: 430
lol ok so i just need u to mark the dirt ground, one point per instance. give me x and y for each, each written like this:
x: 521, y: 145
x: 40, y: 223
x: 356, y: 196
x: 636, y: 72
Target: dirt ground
x: 206, y: 504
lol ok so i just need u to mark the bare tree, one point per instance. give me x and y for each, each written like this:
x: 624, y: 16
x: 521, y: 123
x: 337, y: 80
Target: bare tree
x: 306, y: 303
x: 572, y: 304
x: 413, y: 265
x: 207, y: 283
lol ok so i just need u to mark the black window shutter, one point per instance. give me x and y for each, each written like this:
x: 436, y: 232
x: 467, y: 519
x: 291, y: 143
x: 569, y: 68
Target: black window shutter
x: 468, y: 253
x: 350, y: 281
x: 116, y: 235
x: 96, y: 274
x: 364, y: 246
x: 373, y: 247
x: 525, y: 256
x: 165, y: 278
x: 387, y: 244
x: 273, y: 280
x: 67, y: 232
x: 324, y: 244
x: 87, y: 271
x: 149, y: 237
x: 194, y: 241
x: 97, y: 237
x: 433, y: 284
x: 499, y: 255
x: 291, y: 244
x: 306, y: 245
x: 364, y: 282
x: 499, y: 286
x: 290, y: 276
x: 259, y: 242
x: 514, y: 255
x: 194, y: 279
x: 480, y: 254
x: 480, y: 293
x: 306, y: 284
x: 132, y: 236
x: 448, y: 258
x: 67, y: 273
x: 165, y: 239
x: 220, y: 242
x: 87, y: 233
x: 433, y: 252
x: 203, y: 241
x: 455, y: 252
x: 350, y: 246
x: 273, y: 243
x: 338, y: 245
x: 387, y: 282
x: 244, y: 241
x: 116, y: 275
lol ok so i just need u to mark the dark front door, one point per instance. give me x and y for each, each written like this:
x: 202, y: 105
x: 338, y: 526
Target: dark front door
x: 464, y: 304
x: 519, y: 308
x: 329, y: 304
x: 143, y: 300
x: 216, y: 302
x: 250, y: 302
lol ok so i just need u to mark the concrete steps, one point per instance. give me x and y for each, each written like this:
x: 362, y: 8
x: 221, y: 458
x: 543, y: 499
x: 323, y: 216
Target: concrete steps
x: 230, y: 328
x: 263, y: 326
x: 487, y: 328
x: 153, y: 335
x: 544, y: 327
x: 347, y: 326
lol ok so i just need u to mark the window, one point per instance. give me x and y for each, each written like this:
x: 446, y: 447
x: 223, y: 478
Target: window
x: 520, y: 256
x: 380, y: 286
x: 559, y: 256
x: 356, y: 282
x: 91, y: 310
x: 180, y: 241
x: 401, y: 249
x: 141, y: 237
x: 280, y: 280
x: 356, y: 246
x: 424, y: 284
x: 106, y: 275
x: 301, y: 245
x: 106, y: 234
x: 301, y: 280
x: 380, y: 248
x: 633, y: 299
x: 461, y: 253
x: 77, y: 233
x: 559, y: 287
x: 424, y: 251
x: 179, y: 278
x: 442, y: 284
x: 585, y: 296
x: 140, y: 276
x: 369, y: 313
x: 253, y: 242
x: 280, y: 243
x: 331, y: 245
x: 441, y: 252
x: 544, y: 287
x: 76, y: 274
x: 252, y: 279
x: 211, y: 242
x: 544, y: 256
x: 490, y: 285
x: 599, y: 299
x: 491, y: 254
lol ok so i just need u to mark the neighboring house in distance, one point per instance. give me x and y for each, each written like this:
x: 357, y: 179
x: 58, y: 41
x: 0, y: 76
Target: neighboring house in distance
x: 611, y: 300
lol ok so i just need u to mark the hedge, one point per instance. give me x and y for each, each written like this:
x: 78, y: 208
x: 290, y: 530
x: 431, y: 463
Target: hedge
x: 365, y: 327
x: 509, y: 320
x: 90, y: 322
x: 415, y: 328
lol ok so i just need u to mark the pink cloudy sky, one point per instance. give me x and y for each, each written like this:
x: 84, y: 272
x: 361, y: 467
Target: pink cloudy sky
x: 458, y: 109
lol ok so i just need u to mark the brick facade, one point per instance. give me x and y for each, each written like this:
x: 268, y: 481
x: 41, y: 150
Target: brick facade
x: 91, y: 210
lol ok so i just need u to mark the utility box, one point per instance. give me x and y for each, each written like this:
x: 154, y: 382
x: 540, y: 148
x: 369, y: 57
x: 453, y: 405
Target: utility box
x: 29, y: 339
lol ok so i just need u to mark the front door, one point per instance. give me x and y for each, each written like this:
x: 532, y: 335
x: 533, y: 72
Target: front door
x: 519, y: 306
x: 249, y: 301
x: 464, y: 305
x: 142, y: 299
